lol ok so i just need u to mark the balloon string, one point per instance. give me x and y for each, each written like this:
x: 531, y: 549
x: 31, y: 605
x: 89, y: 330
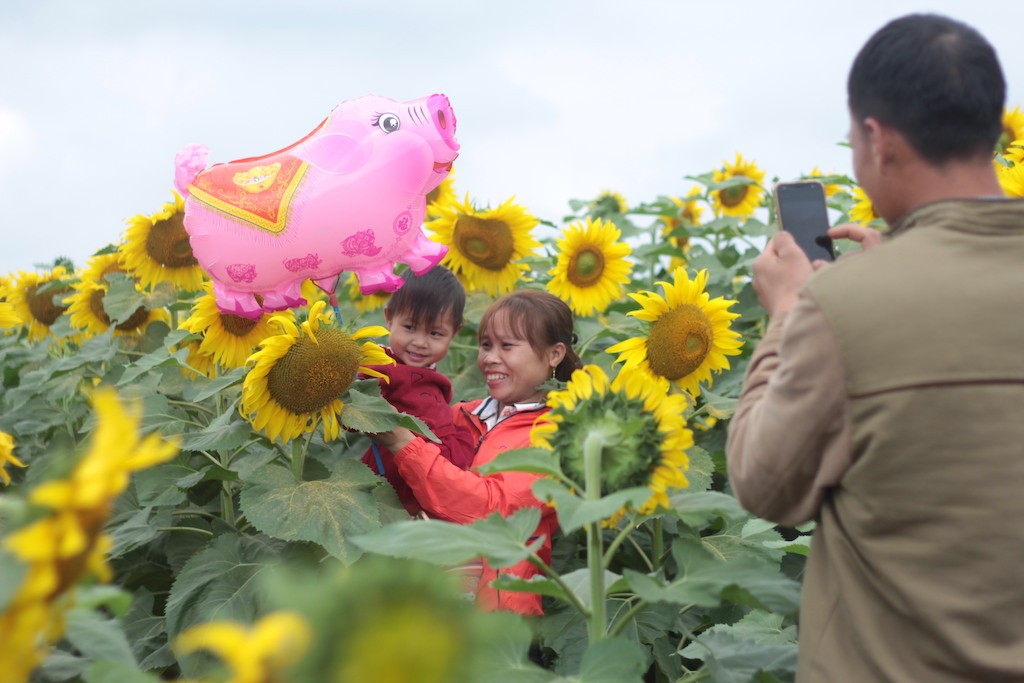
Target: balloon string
x: 376, y: 455
x: 333, y: 299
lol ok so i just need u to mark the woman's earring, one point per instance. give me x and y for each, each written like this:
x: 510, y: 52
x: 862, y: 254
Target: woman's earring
x: 553, y: 373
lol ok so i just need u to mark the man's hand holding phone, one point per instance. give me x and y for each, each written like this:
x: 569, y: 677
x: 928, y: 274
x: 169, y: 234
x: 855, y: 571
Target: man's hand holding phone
x: 780, y: 273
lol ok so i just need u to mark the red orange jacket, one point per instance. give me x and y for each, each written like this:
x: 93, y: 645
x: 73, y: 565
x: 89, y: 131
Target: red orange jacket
x: 464, y: 496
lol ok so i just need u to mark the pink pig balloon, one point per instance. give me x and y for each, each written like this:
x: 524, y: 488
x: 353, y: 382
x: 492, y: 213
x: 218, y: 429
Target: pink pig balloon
x: 351, y: 195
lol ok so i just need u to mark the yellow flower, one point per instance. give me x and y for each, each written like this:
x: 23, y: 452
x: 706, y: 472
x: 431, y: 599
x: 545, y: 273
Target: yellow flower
x: 608, y: 203
x: 68, y: 542
x: 863, y: 210
x: 1011, y: 178
x: 298, y: 377
x: 157, y: 248
x: 7, y: 456
x: 8, y: 316
x: 484, y: 246
x: 85, y: 306
x: 228, y: 338
x: 253, y: 655
x: 1013, y: 128
x: 740, y: 200
x: 649, y: 434
x: 364, y: 303
x: 591, y: 267
x: 32, y: 295
x: 689, y: 337
x: 442, y: 195
x: 830, y: 188
x: 689, y: 214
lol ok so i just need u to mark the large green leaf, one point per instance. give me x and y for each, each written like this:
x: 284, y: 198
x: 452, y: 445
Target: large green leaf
x: 96, y: 637
x: 122, y: 298
x: 221, y: 582
x: 578, y: 582
x: 706, y: 580
x: 12, y: 573
x: 731, y: 658
x: 200, y: 388
x: 153, y: 360
x: 117, y: 672
x: 227, y: 432
x: 613, y: 660
x: 697, y: 509
x: 146, y: 632
x: 503, y: 541
x: 327, y: 511
x: 575, y: 512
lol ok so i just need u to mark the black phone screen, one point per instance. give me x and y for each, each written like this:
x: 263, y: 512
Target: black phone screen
x: 803, y: 214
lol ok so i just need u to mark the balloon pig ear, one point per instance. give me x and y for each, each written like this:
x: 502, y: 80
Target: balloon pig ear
x: 344, y: 150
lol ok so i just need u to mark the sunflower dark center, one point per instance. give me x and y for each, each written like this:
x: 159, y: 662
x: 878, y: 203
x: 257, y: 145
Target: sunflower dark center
x: 236, y: 324
x: 168, y: 245
x: 733, y: 196
x: 41, y: 304
x: 586, y: 267
x: 312, y: 375
x: 487, y: 242
x: 679, y: 341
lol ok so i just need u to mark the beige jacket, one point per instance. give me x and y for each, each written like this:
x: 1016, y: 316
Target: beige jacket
x: 888, y: 404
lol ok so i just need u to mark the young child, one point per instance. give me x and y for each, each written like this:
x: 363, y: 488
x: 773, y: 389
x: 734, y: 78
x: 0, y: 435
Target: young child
x: 423, y: 317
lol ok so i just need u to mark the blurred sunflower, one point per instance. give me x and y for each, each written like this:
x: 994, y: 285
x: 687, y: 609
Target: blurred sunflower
x: 830, y: 188
x: 591, y: 267
x: 7, y: 457
x: 298, y: 377
x: 68, y: 543
x: 33, y: 296
x: 364, y: 303
x: 85, y: 306
x: 156, y: 248
x: 252, y: 655
x: 228, y: 338
x: 647, y: 432
x: 608, y: 203
x: 1013, y: 128
x: 689, y: 337
x: 8, y: 316
x: 484, y: 246
x: 740, y: 200
x: 199, y: 363
x: 863, y: 211
x: 1011, y: 178
x: 442, y: 195
x: 688, y: 214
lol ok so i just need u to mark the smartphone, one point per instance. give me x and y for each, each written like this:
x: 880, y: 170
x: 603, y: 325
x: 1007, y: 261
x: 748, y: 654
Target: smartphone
x: 802, y: 213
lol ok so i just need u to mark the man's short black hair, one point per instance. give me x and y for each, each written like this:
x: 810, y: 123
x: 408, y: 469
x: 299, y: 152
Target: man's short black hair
x: 935, y: 80
x: 429, y: 297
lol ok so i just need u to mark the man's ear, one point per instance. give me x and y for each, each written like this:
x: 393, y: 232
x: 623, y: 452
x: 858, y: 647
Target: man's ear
x: 886, y: 143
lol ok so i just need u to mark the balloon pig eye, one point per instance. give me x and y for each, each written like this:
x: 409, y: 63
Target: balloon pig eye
x: 388, y: 123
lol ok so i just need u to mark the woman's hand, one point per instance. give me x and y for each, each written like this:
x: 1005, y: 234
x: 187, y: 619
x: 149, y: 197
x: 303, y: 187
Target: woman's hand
x: 394, y: 440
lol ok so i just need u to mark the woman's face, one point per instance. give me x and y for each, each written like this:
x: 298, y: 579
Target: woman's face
x: 512, y: 369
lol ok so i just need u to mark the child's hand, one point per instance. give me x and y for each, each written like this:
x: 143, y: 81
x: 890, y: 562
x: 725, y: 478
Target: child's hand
x: 394, y: 440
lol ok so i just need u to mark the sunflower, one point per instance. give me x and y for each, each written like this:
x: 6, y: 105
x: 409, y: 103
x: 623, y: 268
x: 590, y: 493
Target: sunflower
x: 648, y: 434
x: 442, y: 195
x: 157, y: 249
x: 484, y: 246
x: 1011, y: 178
x: 7, y: 457
x: 85, y: 306
x: 689, y: 337
x: 608, y: 203
x: 688, y: 213
x: 364, y: 303
x: 228, y: 338
x: 830, y: 188
x: 299, y: 376
x: 253, y: 655
x: 33, y: 297
x: 8, y: 316
x: 1013, y: 129
x: 740, y: 200
x: 591, y: 267
x: 198, y: 362
x: 68, y: 542
x: 863, y: 211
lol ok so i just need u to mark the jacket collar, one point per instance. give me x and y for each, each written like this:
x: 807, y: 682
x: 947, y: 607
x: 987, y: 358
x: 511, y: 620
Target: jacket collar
x: 983, y: 215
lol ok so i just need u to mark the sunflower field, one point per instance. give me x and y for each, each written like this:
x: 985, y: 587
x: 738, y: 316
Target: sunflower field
x: 184, y: 498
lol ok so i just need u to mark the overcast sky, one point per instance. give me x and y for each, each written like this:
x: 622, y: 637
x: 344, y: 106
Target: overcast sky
x: 556, y: 99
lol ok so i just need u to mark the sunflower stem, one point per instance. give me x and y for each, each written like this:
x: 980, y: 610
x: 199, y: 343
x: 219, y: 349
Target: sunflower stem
x: 540, y: 564
x: 657, y: 543
x: 627, y: 529
x: 593, y: 447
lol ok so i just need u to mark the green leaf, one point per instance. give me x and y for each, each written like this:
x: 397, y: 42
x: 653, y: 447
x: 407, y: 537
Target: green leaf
x: 200, y: 388
x: 575, y: 512
x: 697, y: 509
x: 117, y: 672
x: 146, y: 632
x: 222, y: 582
x: 731, y: 658
x: 327, y: 511
x: 156, y: 486
x: 700, y: 469
x: 227, y: 432
x: 501, y: 540
x: 535, y: 460
x: 368, y: 414
x: 613, y: 660
x: 96, y: 637
x: 721, y: 407
x: 801, y: 545
x: 111, y: 598
x: 122, y: 299
x: 150, y: 361
x: 577, y: 581
x: 416, y: 426
x: 12, y: 573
